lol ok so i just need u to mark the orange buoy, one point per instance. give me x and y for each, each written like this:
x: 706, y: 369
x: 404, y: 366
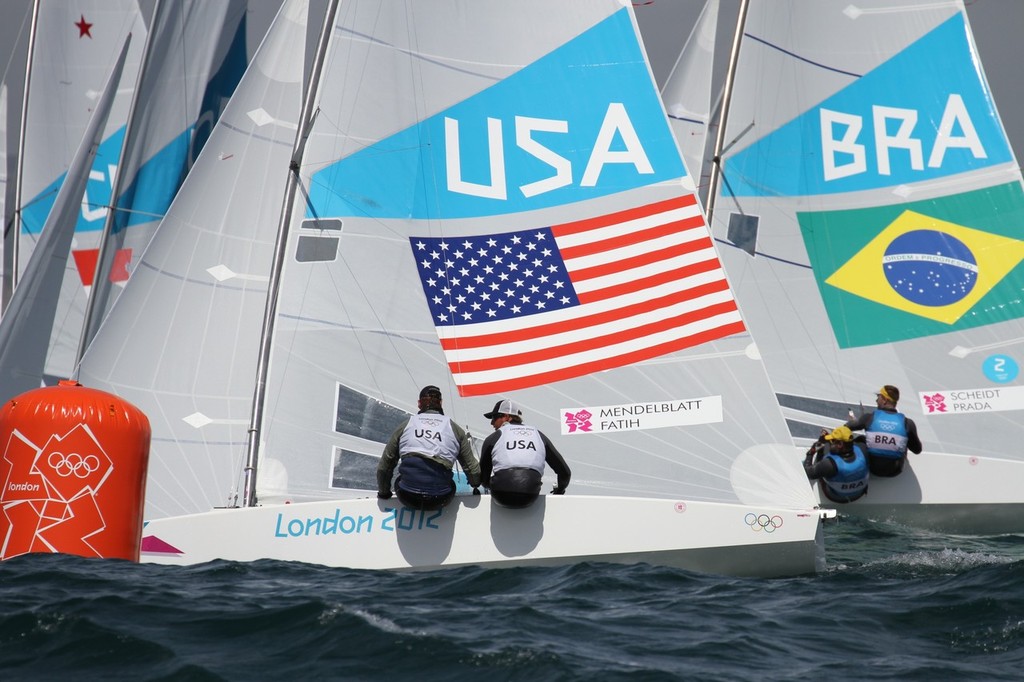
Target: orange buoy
x: 73, y: 465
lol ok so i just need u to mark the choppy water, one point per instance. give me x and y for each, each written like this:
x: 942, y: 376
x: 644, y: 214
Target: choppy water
x: 893, y: 604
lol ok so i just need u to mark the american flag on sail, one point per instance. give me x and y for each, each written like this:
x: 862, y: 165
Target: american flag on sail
x: 530, y: 307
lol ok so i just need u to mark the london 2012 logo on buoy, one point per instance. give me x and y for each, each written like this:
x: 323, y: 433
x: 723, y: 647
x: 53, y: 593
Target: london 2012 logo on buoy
x: 50, y: 491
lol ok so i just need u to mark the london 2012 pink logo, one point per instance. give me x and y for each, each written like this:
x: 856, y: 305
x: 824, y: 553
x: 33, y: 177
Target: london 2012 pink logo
x: 935, y: 403
x: 578, y: 421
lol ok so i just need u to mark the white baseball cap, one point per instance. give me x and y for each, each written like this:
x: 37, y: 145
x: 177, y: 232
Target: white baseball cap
x: 505, y: 406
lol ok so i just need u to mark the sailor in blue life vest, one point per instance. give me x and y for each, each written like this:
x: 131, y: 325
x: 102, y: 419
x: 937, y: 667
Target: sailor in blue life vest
x: 889, y: 434
x: 512, y: 459
x: 425, y: 447
x: 842, y: 471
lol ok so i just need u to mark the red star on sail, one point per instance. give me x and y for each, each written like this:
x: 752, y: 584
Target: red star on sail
x: 83, y: 27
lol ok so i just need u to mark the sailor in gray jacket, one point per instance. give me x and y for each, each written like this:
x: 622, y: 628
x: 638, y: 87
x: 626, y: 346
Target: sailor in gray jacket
x: 425, y: 447
x: 512, y: 458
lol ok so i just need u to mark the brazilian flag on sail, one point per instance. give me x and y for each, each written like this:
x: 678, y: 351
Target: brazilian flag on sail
x: 915, y: 269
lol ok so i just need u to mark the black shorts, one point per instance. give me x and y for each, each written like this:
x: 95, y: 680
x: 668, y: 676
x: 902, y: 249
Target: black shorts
x: 421, y: 501
x: 516, y: 488
x: 885, y: 467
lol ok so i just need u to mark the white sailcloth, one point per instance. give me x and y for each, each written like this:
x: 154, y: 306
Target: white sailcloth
x: 873, y: 209
x: 3, y: 171
x: 24, y: 327
x: 74, y: 44
x: 687, y: 92
x: 195, y: 58
x: 492, y: 205
x: 12, y: 52
x: 183, y: 338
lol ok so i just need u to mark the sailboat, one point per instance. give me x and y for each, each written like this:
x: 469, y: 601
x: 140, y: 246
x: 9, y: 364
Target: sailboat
x: 870, y: 210
x: 458, y: 196
x: 173, y: 91
x: 71, y: 49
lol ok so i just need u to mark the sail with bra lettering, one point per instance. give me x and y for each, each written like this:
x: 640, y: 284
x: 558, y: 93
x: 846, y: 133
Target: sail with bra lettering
x: 870, y: 212
x: 470, y: 198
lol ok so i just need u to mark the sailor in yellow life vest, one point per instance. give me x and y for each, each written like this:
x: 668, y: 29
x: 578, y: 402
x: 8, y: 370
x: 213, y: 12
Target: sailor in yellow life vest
x: 842, y: 469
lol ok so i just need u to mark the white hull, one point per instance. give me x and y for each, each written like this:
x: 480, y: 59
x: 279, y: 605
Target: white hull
x: 948, y: 494
x: 376, y: 534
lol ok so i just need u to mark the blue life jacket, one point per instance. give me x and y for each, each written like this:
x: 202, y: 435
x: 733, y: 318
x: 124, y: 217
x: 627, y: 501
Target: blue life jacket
x: 851, y: 479
x: 887, y: 435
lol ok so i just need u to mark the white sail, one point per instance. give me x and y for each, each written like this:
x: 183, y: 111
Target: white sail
x: 195, y: 58
x: 872, y: 209
x: 189, y: 321
x: 13, y: 46
x: 74, y: 44
x: 25, y: 325
x: 687, y: 92
x: 442, y: 129
x: 3, y: 169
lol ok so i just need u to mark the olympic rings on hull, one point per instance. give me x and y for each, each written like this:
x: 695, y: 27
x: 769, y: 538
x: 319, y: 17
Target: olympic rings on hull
x: 763, y: 522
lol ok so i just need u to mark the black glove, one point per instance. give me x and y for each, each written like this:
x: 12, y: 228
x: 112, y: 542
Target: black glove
x: 476, y: 491
x: 384, y: 495
x: 816, y: 447
x: 557, y: 491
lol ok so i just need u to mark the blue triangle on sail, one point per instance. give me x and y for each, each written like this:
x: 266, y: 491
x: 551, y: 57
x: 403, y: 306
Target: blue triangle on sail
x: 592, y: 93
x: 934, y: 80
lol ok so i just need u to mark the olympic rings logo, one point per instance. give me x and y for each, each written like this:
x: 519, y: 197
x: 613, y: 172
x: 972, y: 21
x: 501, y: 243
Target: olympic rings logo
x: 763, y: 522
x: 73, y: 464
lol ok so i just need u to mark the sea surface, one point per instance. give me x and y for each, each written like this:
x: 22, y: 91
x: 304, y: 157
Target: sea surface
x: 893, y: 604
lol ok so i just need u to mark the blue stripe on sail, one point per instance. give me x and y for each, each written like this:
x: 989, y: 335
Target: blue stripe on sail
x: 35, y: 212
x: 601, y: 76
x: 927, y: 80
x: 147, y: 198
x: 155, y: 184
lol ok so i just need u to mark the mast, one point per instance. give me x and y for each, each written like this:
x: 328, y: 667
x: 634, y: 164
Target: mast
x: 716, y: 159
x: 99, y: 280
x: 10, y: 280
x: 273, y: 287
